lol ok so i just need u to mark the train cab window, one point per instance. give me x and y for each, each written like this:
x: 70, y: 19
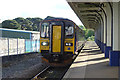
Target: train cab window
x: 45, y: 30
x: 69, y: 31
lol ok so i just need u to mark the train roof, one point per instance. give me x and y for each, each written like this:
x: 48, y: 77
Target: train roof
x: 57, y: 19
x: 62, y: 19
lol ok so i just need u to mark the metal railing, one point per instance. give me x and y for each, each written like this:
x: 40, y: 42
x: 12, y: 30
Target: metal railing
x: 11, y: 46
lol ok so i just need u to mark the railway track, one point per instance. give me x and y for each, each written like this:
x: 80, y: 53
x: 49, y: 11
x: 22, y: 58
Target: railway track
x: 55, y: 73
x: 52, y: 73
x: 37, y: 77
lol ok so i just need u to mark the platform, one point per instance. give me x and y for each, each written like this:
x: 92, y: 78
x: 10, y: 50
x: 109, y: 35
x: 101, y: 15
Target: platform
x: 90, y: 64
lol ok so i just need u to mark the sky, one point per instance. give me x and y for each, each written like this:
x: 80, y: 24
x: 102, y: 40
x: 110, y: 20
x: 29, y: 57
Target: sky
x: 10, y: 9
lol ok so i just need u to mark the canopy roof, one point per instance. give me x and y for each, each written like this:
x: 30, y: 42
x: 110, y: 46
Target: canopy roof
x: 90, y: 13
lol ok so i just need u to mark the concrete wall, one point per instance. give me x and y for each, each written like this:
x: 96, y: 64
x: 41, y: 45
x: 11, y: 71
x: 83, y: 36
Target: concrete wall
x: 10, y: 46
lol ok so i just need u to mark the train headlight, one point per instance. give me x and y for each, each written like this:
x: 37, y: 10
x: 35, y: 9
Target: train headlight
x: 44, y: 43
x: 68, y: 44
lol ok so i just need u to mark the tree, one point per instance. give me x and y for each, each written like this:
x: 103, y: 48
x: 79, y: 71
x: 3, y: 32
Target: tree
x: 30, y: 19
x: 25, y: 23
x: 20, y: 20
x: 89, y: 33
x: 11, y: 24
x: 36, y: 21
x: 82, y: 27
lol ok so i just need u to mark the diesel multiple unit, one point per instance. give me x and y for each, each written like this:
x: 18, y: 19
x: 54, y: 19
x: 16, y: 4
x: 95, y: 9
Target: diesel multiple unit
x: 60, y: 39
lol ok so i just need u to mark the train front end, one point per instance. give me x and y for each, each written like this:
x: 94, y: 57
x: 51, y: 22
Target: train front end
x: 57, y: 41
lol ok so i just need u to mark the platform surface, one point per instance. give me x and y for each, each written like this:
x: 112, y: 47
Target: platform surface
x: 91, y: 64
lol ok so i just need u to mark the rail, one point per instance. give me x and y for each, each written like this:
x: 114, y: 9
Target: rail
x: 38, y: 75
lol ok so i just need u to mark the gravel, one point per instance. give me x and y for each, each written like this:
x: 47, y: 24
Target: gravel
x: 23, y: 66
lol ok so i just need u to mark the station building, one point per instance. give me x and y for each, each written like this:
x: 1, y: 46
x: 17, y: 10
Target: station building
x: 18, y: 41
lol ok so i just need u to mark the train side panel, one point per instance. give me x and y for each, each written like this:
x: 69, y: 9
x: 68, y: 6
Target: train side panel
x: 80, y: 38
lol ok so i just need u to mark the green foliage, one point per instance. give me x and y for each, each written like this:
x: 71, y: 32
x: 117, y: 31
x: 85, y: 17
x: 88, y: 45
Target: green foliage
x: 82, y: 27
x: 36, y: 21
x: 89, y: 33
x: 91, y: 38
x: 20, y: 20
x: 11, y: 24
x: 25, y: 24
x: 20, y: 23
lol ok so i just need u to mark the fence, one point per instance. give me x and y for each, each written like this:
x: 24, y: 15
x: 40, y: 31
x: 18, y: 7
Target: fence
x: 32, y: 45
x: 10, y: 46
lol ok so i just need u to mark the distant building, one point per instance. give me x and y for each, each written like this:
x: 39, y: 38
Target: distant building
x: 21, y: 34
x: 16, y: 42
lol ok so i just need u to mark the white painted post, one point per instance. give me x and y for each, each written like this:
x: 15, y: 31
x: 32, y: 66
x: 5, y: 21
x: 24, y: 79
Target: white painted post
x: 108, y: 29
x: 17, y: 46
x: 25, y: 46
x: 108, y: 25
x: 115, y: 52
x: 8, y: 46
x: 31, y: 44
x: 105, y: 26
x: 36, y: 45
x: 116, y: 26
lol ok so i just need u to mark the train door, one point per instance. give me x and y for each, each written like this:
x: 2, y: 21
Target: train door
x: 56, y: 40
x: 56, y: 37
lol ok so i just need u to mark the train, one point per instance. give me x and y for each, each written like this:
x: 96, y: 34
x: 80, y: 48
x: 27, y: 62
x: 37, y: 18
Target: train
x: 60, y: 40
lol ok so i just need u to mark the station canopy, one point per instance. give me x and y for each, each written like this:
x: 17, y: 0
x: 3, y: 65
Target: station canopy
x: 90, y: 13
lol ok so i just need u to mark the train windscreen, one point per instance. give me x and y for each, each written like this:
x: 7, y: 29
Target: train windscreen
x: 45, y: 30
x: 69, y: 30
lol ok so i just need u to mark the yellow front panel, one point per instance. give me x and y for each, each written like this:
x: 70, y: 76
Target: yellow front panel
x: 71, y: 47
x: 56, y: 42
x: 44, y: 47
